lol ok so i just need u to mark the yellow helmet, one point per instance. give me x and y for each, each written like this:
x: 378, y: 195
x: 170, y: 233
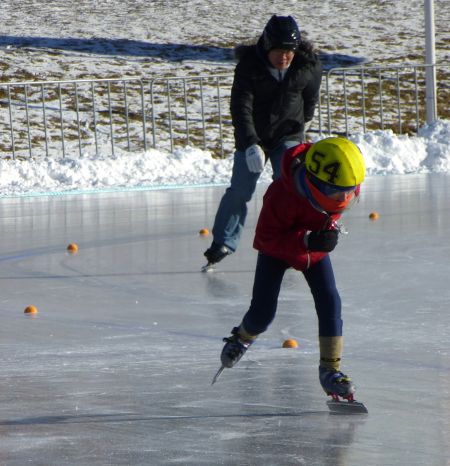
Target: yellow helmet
x: 336, y: 161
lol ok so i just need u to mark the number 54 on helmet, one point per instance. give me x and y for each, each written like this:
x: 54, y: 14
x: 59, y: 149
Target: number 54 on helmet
x: 334, y: 170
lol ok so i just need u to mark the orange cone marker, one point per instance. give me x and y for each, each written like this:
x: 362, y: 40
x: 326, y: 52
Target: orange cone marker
x: 72, y: 248
x: 290, y: 343
x: 30, y: 309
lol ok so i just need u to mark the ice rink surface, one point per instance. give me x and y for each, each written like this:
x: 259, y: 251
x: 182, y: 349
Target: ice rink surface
x: 116, y: 367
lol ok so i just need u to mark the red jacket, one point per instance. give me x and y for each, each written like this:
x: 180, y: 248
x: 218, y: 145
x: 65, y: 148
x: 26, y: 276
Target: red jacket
x: 286, y: 216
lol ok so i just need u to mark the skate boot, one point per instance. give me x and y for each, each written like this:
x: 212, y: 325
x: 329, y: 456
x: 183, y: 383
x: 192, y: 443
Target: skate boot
x: 336, y: 384
x: 235, y: 347
x: 216, y: 253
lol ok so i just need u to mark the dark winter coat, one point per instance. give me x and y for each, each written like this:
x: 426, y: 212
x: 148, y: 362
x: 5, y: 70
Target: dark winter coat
x: 286, y: 216
x: 265, y: 111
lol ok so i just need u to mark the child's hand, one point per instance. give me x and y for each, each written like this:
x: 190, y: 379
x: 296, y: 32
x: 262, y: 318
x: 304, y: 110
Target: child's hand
x: 323, y: 240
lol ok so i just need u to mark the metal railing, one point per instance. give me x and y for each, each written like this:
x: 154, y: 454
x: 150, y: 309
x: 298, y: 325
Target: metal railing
x: 364, y: 98
x: 192, y: 111
x: 67, y: 118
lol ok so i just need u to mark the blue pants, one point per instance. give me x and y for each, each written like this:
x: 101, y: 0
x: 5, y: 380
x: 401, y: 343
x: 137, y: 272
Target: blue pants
x: 266, y: 288
x: 232, y: 211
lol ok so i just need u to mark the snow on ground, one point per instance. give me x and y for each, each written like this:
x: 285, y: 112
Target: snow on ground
x: 105, y: 38
x: 385, y: 153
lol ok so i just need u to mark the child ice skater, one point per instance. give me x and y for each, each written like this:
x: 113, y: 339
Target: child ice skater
x: 297, y: 228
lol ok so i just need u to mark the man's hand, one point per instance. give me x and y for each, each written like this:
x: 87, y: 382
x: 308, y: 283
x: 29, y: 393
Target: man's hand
x: 255, y: 158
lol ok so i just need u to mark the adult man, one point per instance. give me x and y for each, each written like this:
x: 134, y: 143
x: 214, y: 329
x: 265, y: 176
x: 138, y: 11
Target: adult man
x: 274, y: 94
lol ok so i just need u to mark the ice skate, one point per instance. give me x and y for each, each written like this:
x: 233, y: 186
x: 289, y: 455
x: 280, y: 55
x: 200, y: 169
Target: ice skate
x: 214, y: 255
x: 336, y: 384
x: 235, y: 347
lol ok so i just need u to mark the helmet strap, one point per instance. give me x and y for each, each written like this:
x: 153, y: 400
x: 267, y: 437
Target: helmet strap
x: 302, y: 187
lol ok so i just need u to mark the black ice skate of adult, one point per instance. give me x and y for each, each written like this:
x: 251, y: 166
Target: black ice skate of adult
x: 209, y: 267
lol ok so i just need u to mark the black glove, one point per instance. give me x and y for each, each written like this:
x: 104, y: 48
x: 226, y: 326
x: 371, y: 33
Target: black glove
x: 323, y: 240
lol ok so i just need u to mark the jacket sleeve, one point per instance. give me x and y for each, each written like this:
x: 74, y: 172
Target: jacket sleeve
x: 242, y: 110
x: 278, y: 232
x: 311, y: 91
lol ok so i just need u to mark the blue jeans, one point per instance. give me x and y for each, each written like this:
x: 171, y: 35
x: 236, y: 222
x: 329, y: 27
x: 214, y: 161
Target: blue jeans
x: 266, y: 288
x: 232, y: 211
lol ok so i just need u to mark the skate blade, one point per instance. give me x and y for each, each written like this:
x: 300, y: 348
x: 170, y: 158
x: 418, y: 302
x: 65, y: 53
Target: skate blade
x: 208, y: 267
x: 346, y: 407
x: 217, y: 375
